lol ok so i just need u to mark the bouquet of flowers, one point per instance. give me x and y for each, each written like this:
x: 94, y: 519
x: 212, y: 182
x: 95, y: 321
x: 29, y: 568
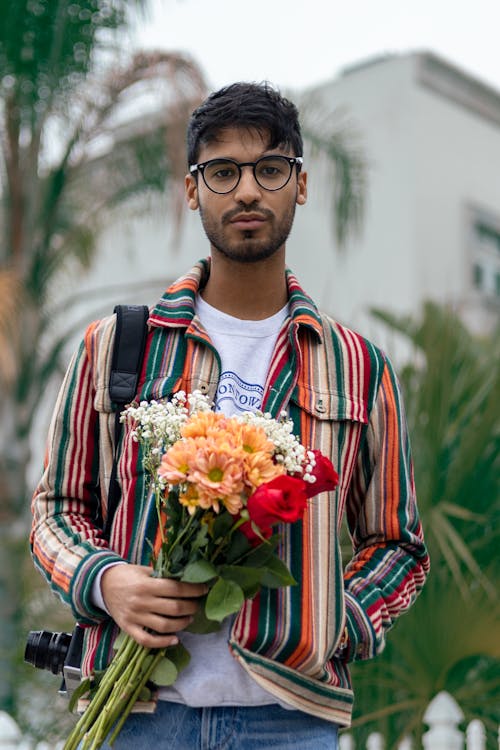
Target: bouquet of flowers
x: 221, y: 485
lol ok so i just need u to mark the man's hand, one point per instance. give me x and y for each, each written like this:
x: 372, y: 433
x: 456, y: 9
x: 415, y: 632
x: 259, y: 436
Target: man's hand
x: 139, y: 604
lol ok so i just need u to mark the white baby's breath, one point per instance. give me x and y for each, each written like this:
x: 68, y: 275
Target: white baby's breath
x: 157, y: 426
x: 289, y: 451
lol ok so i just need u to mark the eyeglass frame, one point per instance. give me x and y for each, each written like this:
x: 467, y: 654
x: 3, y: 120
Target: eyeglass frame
x: 296, y: 161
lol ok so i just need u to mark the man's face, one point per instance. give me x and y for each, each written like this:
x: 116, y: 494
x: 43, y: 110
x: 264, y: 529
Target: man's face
x: 250, y: 223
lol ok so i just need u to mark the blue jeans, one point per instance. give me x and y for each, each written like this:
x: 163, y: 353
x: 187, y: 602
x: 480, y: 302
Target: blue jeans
x: 178, y: 727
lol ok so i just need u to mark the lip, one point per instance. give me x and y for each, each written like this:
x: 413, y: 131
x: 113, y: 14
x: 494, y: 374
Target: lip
x: 248, y: 221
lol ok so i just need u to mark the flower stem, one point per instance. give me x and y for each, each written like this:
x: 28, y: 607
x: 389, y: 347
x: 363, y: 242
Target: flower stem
x: 165, y: 572
x: 94, y: 716
x: 157, y: 493
x: 135, y: 694
x: 226, y: 539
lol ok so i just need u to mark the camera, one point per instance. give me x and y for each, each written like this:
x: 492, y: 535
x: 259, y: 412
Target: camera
x: 60, y: 653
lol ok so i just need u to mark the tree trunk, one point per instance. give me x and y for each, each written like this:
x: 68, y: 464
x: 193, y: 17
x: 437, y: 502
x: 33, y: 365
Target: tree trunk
x: 12, y: 638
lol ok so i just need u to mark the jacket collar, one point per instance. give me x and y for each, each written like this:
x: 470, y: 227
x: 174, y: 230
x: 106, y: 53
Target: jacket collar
x: 176, y: 308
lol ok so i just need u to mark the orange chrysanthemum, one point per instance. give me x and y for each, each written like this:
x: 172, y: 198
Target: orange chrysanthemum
x: 260, y: 468
x: 254, y: 440
x: 175, y: 463
x: 204, y: 424
x: 190, y: 497
x: 217, y: 471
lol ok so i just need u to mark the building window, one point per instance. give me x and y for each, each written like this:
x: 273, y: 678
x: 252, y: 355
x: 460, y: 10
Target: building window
x: 488, y: 236
x: 485, y: 256
x: 477, y: 275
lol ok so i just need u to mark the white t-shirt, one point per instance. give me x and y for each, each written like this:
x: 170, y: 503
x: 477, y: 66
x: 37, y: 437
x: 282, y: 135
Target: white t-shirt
x: 213, y: 677
x: 245, y: 348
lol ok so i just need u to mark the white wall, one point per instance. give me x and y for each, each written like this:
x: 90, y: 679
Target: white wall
x: 375, y: 268
x: 429, y: 160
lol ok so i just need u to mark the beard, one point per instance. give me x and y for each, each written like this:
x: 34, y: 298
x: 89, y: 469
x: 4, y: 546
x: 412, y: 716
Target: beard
x: 248, y: 248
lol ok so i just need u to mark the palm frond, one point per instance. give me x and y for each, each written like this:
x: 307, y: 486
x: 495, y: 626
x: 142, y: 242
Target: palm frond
x: 336, y: 141
x: 138, y: 155
x: 449, y: 640
x: 439, y: 645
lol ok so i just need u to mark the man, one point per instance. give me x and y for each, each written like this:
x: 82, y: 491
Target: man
x: 239, y: 327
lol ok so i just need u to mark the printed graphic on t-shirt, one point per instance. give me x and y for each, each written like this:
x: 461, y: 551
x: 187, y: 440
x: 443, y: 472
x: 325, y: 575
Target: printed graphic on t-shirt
x: 235, y: 395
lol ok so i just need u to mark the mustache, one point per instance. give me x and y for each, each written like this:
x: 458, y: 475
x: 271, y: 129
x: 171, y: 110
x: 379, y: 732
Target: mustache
x: 265, y: 213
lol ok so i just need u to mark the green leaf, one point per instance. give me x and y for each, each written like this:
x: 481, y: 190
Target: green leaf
x: 249, y: 579
x: 179, y: 655
x: 259, y: 557
x: 277, y: 574
x: 177, y: 554
x: 239, y: 545
x: 165, y: 673
x: 201, y: 624
x: 200, y: 539
x: 200, y: 571
x: 82, y: 690
x: 222, y: 525
x: 145, y: 694
x: 223, y: 599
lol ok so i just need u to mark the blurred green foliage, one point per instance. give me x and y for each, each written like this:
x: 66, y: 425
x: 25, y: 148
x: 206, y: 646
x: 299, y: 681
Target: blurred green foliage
x: 47, y: 46
x: 450, y: 639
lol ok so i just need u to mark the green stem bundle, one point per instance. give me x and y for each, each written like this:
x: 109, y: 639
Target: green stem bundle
x: 115, y: 696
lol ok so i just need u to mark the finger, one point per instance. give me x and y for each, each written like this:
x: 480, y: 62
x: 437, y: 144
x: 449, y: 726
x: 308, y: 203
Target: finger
x: 166, y: 625
x: 168, y: 607
x: 152, y: 640
x: 177, y: 611
x: 135, y: 609
x: 141, y: 577
x: 169, y: 587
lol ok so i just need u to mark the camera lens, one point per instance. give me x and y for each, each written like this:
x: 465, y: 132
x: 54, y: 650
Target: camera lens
x: 46, y: 650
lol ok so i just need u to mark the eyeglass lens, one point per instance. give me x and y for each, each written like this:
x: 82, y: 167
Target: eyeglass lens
x: 271, y: 173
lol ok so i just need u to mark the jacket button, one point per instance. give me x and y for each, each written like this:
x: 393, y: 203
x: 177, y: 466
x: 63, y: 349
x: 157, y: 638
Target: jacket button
x: 320, y: 407
x: 203, y: 387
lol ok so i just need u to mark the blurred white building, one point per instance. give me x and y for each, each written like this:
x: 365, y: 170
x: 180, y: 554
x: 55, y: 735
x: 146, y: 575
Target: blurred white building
x: 431, y: 136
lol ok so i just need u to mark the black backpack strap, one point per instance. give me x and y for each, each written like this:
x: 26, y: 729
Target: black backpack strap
x: 128, y: 352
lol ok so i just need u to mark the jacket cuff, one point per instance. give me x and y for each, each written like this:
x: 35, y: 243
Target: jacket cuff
x: 361, y: 637
x: 82, y: 586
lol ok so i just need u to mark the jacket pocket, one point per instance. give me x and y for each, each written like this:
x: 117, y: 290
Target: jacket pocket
x: 330, y: 406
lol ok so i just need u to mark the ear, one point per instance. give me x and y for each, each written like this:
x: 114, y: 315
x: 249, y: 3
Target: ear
x: 191, y: 188
x: 302, y: 188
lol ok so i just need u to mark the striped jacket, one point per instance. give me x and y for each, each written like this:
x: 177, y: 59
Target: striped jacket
x: 344, y: 400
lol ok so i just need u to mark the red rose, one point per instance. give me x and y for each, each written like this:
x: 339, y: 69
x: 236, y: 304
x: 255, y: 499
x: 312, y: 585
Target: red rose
x: 282, y: 500
x: 326, y: 476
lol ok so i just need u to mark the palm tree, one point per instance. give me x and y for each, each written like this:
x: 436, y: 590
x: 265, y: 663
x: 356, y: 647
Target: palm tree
x: 449, y: 640
x: 57, y: 103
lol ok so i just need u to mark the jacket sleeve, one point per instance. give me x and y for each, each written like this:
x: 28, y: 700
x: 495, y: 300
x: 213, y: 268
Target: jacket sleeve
x: 390, y: 560
x: 66, y: 541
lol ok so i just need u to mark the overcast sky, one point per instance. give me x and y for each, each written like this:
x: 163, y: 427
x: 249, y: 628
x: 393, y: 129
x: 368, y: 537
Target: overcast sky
x: 296, y: 43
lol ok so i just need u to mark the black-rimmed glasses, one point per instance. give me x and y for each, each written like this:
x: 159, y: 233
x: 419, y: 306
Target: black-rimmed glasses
x: 270, y: 172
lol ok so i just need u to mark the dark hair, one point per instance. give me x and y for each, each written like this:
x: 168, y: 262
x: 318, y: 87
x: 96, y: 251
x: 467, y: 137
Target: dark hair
x: 245, y: 105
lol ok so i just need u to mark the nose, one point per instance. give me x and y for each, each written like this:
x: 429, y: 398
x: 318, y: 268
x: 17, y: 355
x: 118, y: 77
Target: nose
x: 247, y: 190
